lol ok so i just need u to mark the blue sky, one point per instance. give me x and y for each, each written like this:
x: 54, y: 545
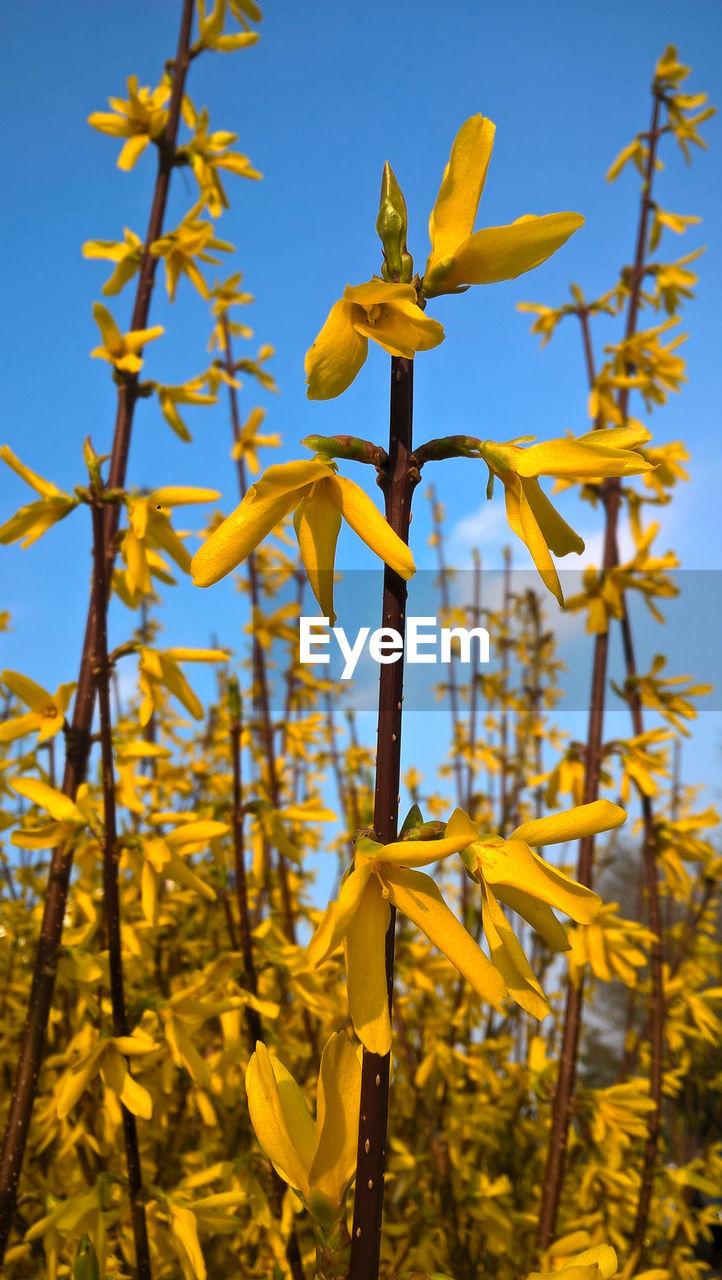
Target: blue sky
x: 331, y: 91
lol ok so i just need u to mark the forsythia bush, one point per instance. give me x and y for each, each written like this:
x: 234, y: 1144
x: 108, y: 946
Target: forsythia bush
x: 210, y: 1073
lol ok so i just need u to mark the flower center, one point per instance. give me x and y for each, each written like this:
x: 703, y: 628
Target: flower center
x: 373, y: 313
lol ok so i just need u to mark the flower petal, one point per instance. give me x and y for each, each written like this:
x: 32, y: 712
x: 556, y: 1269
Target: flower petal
x: 32, y: 694
x: 375, y: 292
x: 368, y: 998
x: 452, y: 218
x: 374, y: 529
x: 509, y: 958
x: 503, y: 253
x: 583, y: 820
x: 336, y: 356
x: 401, y: 329
x: 337, y: 915
x: 239, y: 535
x: 514, y: 864
x: 317, y: 523
x: 280, y: 1117
x: 522, y: 522
x: 538, y: 914
x: 580, y: 458
x: 338, y: 1094
x: 558, y: 535
x: 419, y: 898
x: 59, y: 806
x: 460, y: 832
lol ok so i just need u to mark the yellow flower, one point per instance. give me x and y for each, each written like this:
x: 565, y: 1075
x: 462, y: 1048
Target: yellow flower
x: 179, y: 249
x: 317, y: 1157
x: 68, y: 817
x: 387, y: 313
x: 47, y: 711
x: 360, y: 917
x: 529, y: 512
x: 250, y: 441
x: 599, y: 1263
x: 207, y: 153
x: 149, y: 527
x: 121, y: 350
x: 32, y: 521
x: 140, y: 119
x: 320, y: 498
x: 125, y: 253
x: 509, y: 870
x: 459, y: 256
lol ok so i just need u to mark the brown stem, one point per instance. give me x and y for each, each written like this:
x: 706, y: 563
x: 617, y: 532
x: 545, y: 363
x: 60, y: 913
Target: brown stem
x: 452, y: 688
x: 452, y: 685
x: 78, y: 738
x: 398, y: 485
x: 503, y: 696
x: 611, y: 494
x: 350, y: 816
x: 253, y: 1020
x: 473, y: 679
x: 111, y: 898
x: 260, y: 678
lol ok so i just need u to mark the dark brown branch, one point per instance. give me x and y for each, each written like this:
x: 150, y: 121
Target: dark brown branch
x: 398, y: 485
x: 78, y: 739
x: 611, y: 494
x: 111, y: 897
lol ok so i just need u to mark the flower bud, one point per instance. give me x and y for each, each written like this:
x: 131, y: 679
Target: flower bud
x: 391, y: 226
x: 86, y: 1261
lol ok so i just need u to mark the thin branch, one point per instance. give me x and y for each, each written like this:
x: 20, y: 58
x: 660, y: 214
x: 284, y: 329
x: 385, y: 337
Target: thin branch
x: 111, y: 897
x: 398, y: 485
x: 78, y: 741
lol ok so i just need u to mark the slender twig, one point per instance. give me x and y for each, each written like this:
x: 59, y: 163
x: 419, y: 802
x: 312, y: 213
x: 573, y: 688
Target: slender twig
x: 504, y: 696
x: 473, y: 679
x: 78, y: 743
x: 656, y: 995
x: 451, y: 686
x: 611, y: 494
x: 111, y: 897
x: 260, y: 677
x: 398, y: 485
x: 253, y: 1020
x: 254, y: 1025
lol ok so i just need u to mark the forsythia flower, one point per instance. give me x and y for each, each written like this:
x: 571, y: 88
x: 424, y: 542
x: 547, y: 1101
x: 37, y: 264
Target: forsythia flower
x: 360, y: 917
x: 149, y: 526
x: 179, y: 249
x: 320, y: 498
x: 509, y: 870
x: 529, y: 512
x: 387, y: 313
x: 125, y: 253
x: 32, y: 521
x: 121, y: 350
x: 316, y: 1157
x: 599, y: 1263
x: 47, y: 711
x: 459, y: 256
x: 140, y: 119
x: 392, y: 313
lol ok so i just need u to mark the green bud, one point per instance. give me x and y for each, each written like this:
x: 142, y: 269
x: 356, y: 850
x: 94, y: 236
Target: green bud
x: 407, y: 268
x: 320, y: 444
x: 414, y: 818
x: 86, y: 1265
x: 91, y: 460
x: 391, y: 223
